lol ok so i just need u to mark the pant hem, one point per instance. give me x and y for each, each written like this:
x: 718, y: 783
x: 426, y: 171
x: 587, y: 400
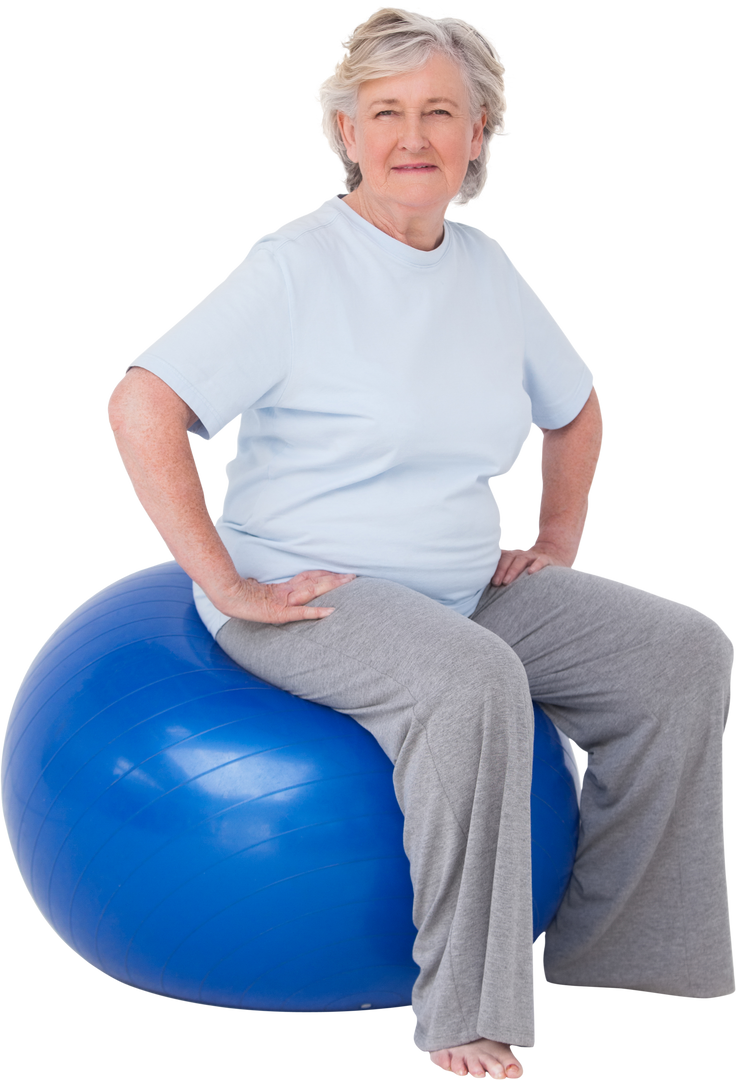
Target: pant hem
x: 648, y: 990
x: 526, y: 1044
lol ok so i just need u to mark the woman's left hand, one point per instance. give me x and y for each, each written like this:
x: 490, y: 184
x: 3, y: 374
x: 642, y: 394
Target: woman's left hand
x: 513, y: 563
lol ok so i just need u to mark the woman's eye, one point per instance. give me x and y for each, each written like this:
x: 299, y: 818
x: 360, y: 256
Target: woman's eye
x: 387, y: 111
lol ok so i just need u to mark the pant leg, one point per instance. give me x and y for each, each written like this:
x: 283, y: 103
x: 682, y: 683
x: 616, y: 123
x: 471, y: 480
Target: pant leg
x: 449, y: 704
x: 642, y: 684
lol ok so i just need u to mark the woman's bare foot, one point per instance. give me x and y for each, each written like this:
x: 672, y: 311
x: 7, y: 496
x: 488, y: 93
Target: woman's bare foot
x: 478, y: 1058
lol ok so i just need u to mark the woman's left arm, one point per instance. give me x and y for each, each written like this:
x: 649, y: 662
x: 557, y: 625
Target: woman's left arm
x: 569, y: 457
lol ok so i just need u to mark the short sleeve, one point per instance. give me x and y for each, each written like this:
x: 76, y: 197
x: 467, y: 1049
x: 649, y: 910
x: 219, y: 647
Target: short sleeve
x: 233, y: 351
x: 556, y: 379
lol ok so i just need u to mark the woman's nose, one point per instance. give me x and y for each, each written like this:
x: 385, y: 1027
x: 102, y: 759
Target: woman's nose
x: 412, y: 137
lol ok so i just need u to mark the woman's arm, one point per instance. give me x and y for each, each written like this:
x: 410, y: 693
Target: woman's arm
x: 569, y: 461
x: 150, y: 424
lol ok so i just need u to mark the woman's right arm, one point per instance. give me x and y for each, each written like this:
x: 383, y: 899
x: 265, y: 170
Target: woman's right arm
x: 150, y: 423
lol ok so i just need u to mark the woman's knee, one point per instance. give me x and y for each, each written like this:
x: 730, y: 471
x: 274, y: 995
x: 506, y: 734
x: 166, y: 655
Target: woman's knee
x: 700, y: 647
x: 718, y: 645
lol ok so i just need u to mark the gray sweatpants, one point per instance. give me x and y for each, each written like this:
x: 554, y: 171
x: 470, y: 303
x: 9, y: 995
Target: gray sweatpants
x: 639, y: 682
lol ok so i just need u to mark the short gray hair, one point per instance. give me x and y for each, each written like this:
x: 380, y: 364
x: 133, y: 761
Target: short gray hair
x: 393, y: 42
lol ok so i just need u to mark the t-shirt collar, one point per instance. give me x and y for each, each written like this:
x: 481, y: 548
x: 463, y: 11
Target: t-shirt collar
x: 395, y: 247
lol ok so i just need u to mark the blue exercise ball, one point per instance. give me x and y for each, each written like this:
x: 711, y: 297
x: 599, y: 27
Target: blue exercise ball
x: 193, y: 831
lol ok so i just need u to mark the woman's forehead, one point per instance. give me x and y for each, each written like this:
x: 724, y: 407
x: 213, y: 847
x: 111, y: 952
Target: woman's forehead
x: 439, y: 81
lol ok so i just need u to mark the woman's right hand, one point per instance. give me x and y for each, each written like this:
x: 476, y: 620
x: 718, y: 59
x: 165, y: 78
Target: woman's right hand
x: 283, y: 602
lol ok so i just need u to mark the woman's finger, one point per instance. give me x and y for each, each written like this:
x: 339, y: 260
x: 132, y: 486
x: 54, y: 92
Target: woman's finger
x: 519, y: 563
x: 525, y: 560
x: 539, y: 563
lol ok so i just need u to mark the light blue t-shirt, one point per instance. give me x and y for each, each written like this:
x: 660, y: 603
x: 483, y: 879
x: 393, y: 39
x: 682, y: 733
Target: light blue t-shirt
x: 380, y: 387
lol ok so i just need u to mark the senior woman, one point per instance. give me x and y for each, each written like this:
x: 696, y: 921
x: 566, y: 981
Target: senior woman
x: 386, y: 363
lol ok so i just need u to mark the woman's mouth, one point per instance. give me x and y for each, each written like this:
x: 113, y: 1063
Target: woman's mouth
x: 414, y: 168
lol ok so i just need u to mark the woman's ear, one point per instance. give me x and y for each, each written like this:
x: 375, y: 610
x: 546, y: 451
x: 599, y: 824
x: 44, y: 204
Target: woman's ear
x: 476, y: 144
x: 347, y: 130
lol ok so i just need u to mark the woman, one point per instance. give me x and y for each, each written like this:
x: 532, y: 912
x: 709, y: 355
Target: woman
x: 386, y: 363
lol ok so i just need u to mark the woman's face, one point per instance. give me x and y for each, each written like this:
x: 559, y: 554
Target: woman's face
x: 413, y: 135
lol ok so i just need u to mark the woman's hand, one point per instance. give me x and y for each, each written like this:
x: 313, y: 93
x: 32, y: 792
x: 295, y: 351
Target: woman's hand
x: 513, y: 563
x: 280, y: 603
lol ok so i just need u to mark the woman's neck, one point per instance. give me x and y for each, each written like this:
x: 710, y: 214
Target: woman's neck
x: 419, y: 228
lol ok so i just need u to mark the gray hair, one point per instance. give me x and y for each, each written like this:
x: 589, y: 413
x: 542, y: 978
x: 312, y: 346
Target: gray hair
x: 393, y: 42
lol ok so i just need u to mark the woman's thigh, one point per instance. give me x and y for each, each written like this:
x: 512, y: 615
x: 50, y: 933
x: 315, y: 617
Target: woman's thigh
x: 600, y: 653
x: 388, y: 656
